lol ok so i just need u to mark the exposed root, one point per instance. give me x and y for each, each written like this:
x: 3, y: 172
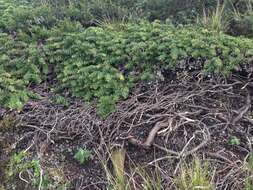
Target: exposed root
x: 243, y: 110
x: 166, y: 123
x: 150, y: 139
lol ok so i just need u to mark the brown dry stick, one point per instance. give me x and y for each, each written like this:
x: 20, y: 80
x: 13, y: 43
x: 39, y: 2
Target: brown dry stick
x: 150, y: 139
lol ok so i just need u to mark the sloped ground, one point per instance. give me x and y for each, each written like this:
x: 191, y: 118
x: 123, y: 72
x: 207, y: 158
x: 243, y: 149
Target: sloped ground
x: 160, y: 125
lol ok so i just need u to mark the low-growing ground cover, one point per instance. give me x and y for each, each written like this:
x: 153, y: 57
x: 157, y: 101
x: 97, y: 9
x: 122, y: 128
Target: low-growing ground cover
x: 93, y: 98
x: 104, y: 63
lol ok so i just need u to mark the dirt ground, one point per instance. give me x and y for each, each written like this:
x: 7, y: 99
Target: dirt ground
x: 161, y: 125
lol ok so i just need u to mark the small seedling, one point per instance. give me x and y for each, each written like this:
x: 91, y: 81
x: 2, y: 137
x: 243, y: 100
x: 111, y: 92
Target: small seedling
x: 82, y: 155
x: 234, y: 141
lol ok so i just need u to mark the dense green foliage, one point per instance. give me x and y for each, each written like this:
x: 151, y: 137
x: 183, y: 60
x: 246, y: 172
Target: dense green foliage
x: 32, y: 17
x: 101, y: 63
x: 13, y: 93
x: 180, y: 11
x: 20, y: 65
x: 26, y: 13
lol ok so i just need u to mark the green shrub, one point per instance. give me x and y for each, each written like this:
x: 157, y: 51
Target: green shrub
x: 21, y: 59
x: 180, y: 11
x: 26, y: 13
x: 100, y: 63
x: 21, y: 64
x: 103, y: 63
x: 13, y: 93
x: 16, y: 17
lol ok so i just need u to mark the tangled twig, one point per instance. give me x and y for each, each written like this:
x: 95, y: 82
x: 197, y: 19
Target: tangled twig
x: 175, y: 120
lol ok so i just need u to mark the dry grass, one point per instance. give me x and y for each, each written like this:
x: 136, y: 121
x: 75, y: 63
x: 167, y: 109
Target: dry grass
x: 137, y: 178
x: 215, y: 20
x: 194, y: 176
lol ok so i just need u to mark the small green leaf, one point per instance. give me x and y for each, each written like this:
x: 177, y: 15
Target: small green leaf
x: 234, y: 141
x: 82, y: 155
